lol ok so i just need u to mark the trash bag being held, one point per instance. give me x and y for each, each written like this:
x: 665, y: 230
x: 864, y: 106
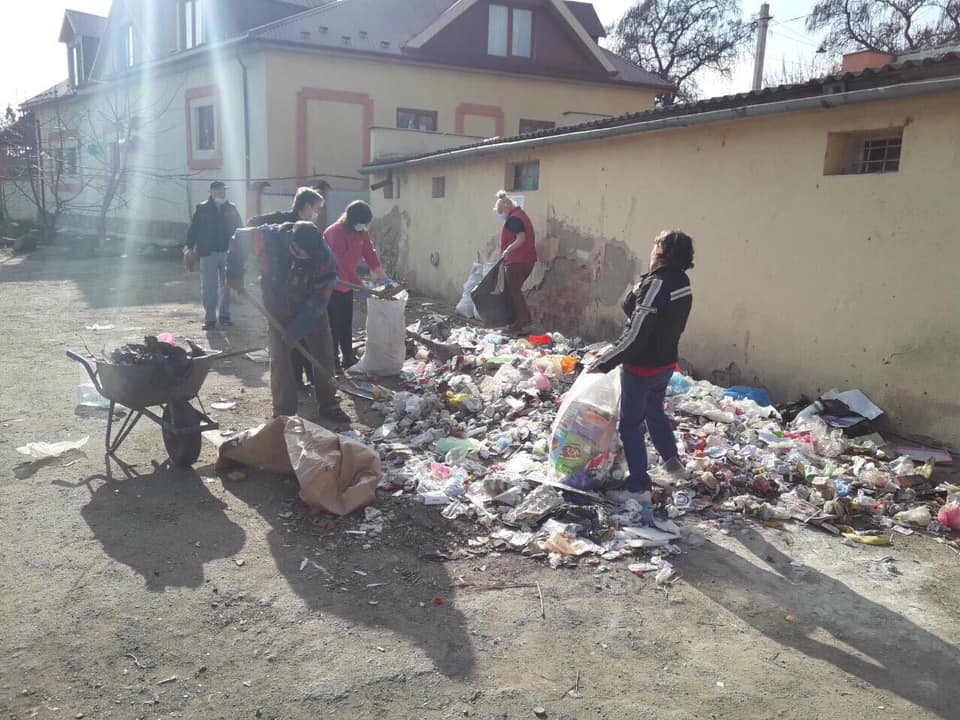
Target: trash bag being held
x: 491, y: 299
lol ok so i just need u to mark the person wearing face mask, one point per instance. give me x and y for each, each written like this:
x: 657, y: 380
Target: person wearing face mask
x: 208, y: 239
x: 518, y: 250
x: 297, y: 276
x: 307, y: 206
x: 350, y: 243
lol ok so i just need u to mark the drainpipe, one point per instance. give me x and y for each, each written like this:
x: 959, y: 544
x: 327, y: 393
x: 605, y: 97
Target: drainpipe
x: 246, y: 134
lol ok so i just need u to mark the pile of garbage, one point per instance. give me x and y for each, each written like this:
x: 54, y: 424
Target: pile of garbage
x: 507, y: 435
x: 161, y: 353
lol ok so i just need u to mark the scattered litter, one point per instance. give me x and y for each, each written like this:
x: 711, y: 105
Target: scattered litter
x: 172, y: 678
x: 48, y: 451
x: 240, y: 562
x: 98, y: 327
x: 923, y: 454
x: 89, y: 397
x: 41, y: 454
x: 261, y: 357
x: 304, y: 563
x: 224, y: 404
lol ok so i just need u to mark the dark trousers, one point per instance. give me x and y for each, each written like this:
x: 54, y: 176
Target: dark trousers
x: 340, y: 311
x: 283, y: 384
x: 641, y: 403
x: 517, y: 274
x: 301, y: 367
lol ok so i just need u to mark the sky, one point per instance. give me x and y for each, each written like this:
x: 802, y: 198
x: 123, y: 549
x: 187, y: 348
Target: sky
x: 32, y: 60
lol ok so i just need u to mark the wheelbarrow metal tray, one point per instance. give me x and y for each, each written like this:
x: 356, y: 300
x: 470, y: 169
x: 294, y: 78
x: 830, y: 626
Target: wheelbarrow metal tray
x: 140, y: 386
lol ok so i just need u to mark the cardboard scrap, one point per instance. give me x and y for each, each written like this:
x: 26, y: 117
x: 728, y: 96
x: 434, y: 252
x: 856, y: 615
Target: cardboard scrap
x: 336, y: 474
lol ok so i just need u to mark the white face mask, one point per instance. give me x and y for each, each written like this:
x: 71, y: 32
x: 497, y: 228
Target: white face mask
x: 219, y: 201
x: 359, y: 227
x: 504, y: 216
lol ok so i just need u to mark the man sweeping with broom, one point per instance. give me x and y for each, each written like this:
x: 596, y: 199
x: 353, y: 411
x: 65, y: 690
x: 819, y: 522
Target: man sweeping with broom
x: 298, y: 275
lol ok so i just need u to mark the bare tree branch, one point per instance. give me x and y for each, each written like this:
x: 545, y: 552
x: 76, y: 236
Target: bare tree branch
x: 888, y: 26
x: 678, y: 39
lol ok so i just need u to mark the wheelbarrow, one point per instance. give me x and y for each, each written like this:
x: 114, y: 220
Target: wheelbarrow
x: 141, y: 387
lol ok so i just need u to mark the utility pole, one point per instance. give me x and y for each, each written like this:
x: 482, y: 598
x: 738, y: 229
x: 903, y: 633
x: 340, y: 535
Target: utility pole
x: 761, y: 46
x: 43, y: 191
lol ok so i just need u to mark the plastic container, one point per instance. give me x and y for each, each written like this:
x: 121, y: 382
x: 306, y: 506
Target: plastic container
x: 87, y: 396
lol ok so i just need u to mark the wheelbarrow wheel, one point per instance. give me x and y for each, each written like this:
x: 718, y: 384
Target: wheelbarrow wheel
x: 183, y: 447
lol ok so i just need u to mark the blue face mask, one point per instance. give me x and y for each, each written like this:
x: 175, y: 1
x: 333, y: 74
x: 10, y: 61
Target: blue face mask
x: 314, y: 216
x: 359, y: 227
x: 219, y: 201
x: 504, y: 216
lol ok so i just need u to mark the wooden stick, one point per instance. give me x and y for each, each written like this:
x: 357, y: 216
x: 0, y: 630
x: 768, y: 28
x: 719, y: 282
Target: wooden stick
x: 543, y: 614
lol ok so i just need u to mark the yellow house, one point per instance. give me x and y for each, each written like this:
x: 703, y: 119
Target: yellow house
x: 164, y: 96
x: 824, y: 214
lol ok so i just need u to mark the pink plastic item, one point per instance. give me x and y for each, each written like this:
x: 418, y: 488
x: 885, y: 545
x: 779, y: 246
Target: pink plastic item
x: 949, y: 516
x: 167, y: 338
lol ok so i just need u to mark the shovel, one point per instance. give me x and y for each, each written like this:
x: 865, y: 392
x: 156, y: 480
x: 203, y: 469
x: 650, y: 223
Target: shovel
x: 347, y: 385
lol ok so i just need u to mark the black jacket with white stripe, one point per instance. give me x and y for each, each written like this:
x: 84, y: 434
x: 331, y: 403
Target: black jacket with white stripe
x: 657, y: 310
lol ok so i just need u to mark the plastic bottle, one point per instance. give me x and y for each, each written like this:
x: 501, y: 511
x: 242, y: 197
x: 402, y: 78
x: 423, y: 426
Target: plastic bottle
x: 87, y: 396
x: 813, y: 409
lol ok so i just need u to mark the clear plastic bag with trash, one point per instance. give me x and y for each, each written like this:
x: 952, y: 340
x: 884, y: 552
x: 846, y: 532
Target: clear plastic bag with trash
x: 584, y: 440
x: 465, y: 307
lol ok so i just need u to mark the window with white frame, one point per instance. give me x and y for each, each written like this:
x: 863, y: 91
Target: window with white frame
x: 864, y: 152
x: 204, y: 127
x: 191, y: 24
x: 510, y: 32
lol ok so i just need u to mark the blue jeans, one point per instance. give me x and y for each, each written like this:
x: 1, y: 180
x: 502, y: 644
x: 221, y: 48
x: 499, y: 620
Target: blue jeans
x: 641, y: 403
x: 213, y: 286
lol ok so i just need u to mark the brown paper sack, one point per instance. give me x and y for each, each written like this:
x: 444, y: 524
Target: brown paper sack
x: 335, y: 473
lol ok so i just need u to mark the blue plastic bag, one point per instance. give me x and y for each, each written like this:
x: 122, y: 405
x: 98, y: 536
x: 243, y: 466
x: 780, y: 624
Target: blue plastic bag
x: 742, y: 392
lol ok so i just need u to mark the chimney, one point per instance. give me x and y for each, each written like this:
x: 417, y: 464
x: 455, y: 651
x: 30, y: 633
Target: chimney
x: 865, y: 59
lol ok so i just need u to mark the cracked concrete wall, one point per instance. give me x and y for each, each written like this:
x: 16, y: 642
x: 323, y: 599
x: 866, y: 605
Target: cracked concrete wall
x: 803, y: 281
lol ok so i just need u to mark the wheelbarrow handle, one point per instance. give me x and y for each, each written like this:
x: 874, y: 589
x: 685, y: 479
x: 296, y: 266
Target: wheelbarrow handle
x: 86, y: 366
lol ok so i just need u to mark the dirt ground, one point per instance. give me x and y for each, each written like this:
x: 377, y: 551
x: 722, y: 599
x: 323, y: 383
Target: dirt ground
x: 153, y: 592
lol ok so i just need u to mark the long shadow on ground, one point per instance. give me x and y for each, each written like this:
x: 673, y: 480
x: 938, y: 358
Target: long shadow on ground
x: 901, y: 656
x: 439, y: 630
x: 164, y: 524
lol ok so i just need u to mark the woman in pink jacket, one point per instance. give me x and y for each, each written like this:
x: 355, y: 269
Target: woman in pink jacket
x: 350, y: 242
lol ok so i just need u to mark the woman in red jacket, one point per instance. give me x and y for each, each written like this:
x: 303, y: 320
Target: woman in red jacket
x: 518, y: 248
x: 350, y: 243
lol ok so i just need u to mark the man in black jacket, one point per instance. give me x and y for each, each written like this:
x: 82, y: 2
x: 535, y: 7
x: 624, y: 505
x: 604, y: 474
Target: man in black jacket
x: 307, y: 204
x: 208, y: 238
x: 657, y: 310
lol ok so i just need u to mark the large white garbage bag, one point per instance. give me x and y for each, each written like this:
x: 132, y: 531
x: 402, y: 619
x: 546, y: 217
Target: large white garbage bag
x: 386, y: 328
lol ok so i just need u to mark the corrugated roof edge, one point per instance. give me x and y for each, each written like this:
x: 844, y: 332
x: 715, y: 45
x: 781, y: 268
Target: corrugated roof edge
x: 810, y: 89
